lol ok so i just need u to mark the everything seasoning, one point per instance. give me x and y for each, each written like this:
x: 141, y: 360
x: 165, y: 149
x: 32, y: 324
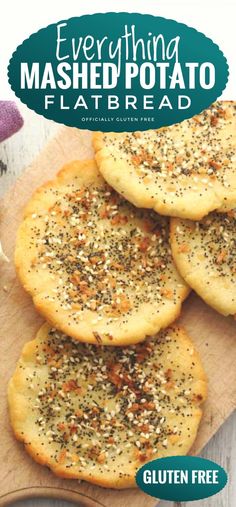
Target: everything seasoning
x: 217, y: 233
x: 103, y: 255
x: 205, y: 254
x: 196, y: 148
x: 104, y: 409
x: 215, y: 240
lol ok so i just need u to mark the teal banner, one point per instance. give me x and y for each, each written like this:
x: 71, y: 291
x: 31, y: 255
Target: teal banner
x: 181, y: 478
x: 118, y: 72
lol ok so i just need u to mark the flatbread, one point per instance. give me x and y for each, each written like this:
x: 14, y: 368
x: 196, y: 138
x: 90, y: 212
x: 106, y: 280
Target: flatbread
x: 99, y: 413
x: 185, y: 170
x: 205, y: 255
x: 97, y: 268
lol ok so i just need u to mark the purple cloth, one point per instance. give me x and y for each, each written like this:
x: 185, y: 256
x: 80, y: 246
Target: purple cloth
x: 10, y: 119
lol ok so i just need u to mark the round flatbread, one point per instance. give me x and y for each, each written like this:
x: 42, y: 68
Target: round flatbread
x: 205, y: 255
x: 98, y: 413
x: 98, y: 268
x: 185, y: 170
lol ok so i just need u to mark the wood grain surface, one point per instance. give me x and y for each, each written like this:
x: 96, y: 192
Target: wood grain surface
x: 213, y: 334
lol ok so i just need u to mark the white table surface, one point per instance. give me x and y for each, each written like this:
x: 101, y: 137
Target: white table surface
x: 19, y: 151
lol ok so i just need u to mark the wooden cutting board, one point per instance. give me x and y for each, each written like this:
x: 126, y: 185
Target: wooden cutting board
x: 214, y: 335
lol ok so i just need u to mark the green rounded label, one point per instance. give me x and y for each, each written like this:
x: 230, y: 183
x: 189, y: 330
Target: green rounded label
x: 181, y: 478
x: 118, y: 72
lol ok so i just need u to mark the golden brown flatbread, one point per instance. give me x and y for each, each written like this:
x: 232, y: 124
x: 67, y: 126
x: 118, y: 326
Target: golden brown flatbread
x: 98, y: 268
x: 98, y: 413
x: 185, y: 170
x: 205, y: 255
